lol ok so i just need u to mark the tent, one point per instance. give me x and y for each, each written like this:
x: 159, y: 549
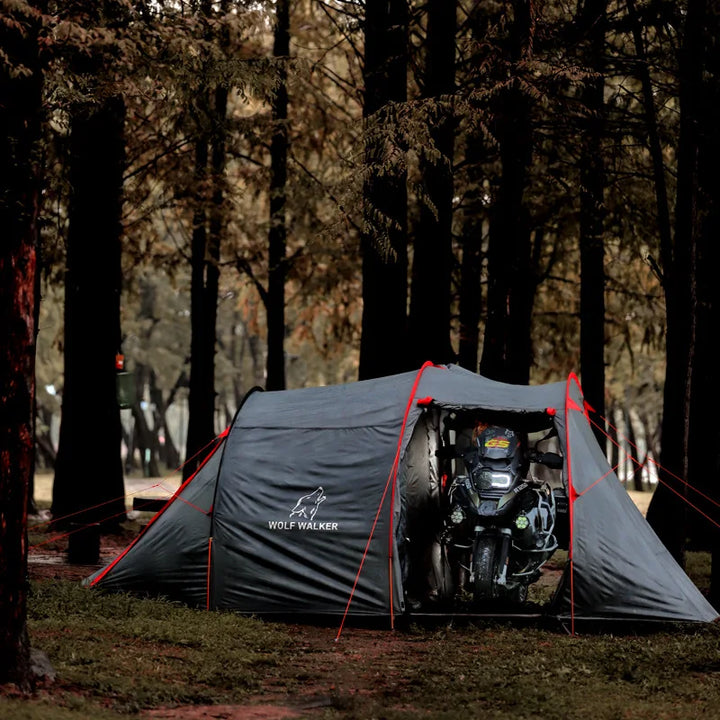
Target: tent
x: 315, y: 501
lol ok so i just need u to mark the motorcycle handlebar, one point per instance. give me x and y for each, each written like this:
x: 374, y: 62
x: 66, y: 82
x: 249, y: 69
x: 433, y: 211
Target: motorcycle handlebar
x: 549, y: 459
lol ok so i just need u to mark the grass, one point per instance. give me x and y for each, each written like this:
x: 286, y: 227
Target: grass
x: 117, y: 655
x: 499, y: 672
x: 143, y: 652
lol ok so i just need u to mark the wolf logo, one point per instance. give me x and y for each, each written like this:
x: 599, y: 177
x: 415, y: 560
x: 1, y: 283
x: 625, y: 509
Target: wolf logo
x: 307, y: 505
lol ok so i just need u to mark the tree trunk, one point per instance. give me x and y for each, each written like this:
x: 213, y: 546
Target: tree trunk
x: 32, y: 508
x: 665, y: 514
x: 474, y: 212
x: 20, y: 112
x: 431, y: 296
x: 145, y: 437
x: 208, y: 229
x: 471, y: 244
x: 654, y: 144
x: 704, y: 422
x: 203, y: 317
x: 384, y: 237
x: 507, y: 348
x: 277, y: 261
x: 89, y: 484
x: 169, y: 454
x: 592, y: 21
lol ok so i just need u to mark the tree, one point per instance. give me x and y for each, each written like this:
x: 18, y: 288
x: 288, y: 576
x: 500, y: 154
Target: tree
x: 90, y: 430
x: 210, y: 117
x: 277, y: 262
x: 431, y: 294
x: 471, y: 243
x: 20, y: 155
x: 679, y: 267
x: 384, y: 236
x: 706, y: 472
x: 507, y: 342
x: 592, y: 21
x: 704, y: 440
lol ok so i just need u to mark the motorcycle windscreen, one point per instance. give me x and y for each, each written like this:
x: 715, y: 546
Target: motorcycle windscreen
x: 303, y: 527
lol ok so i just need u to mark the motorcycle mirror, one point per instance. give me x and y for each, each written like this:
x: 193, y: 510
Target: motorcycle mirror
x: 550, y: 459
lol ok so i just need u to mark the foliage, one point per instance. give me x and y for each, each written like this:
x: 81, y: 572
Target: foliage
x: 164, y: 58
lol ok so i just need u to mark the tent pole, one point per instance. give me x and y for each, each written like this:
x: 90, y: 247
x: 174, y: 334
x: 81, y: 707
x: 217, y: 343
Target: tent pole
x: 209, y: 565
x: 572, y: 495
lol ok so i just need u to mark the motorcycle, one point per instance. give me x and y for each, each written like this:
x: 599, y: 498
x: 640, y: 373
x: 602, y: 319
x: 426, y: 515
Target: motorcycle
x: 499, y: 525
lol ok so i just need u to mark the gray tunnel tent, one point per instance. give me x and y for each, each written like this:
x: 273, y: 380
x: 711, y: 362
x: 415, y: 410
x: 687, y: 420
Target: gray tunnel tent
x: 305, y: 504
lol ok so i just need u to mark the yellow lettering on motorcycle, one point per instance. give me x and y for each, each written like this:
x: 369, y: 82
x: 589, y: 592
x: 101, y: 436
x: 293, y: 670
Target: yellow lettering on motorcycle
x: 497, y: 443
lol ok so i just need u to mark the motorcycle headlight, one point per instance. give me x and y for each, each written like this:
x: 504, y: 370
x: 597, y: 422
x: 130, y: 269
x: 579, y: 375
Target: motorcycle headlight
x: 457, y: 515
x: 493, y: 479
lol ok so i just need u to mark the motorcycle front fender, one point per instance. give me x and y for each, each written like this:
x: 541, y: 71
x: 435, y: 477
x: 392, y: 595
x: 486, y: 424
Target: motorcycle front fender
x: 510, y: 497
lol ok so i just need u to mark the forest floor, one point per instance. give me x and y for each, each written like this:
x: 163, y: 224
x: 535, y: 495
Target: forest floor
x: 157, y: 661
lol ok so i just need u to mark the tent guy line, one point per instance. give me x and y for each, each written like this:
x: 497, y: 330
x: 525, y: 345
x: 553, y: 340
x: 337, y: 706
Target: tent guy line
x: 660, y: 467
x: 392, y: 477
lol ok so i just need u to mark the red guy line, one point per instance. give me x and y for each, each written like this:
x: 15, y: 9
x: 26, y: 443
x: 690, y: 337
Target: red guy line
x: 650, y: 459
x: 572, y: 494
x: 391, y: 477
x: 163, y: 509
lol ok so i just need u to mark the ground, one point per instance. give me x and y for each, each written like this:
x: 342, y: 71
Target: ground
x: 323, y: 671
x: 355, y: 662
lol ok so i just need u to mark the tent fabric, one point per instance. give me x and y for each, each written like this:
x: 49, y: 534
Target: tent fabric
x: 620, y: 568
x: 306, y: 505
x: 170, y: 558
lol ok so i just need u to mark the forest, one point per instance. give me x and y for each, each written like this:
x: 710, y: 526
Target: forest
x: 199, y: 197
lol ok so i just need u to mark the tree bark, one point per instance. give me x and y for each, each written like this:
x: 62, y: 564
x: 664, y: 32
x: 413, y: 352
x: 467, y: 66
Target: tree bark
x: 431, y: 294
x: 668, y: 517
x: 704, y: 443
x: 203, y: 318
x: 277, y: 261
x: 592, y: 22
x: 507, y: 347
x: 384, y: 237
x: 20, y: 113
x: 89, y: 484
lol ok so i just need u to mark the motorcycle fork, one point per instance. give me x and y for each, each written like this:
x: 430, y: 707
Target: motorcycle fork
x: 504, y: 555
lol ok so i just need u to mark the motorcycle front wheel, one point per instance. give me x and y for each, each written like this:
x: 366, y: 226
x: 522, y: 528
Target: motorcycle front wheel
x: 484, y: 570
